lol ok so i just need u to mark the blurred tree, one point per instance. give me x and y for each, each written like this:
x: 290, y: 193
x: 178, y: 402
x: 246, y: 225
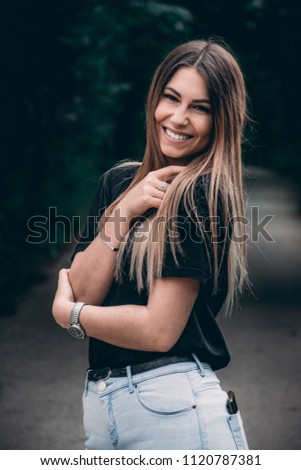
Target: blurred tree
x: 74, y: 80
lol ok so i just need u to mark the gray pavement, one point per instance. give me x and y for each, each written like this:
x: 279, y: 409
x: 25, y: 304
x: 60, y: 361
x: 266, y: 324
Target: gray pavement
x: 42, y: 368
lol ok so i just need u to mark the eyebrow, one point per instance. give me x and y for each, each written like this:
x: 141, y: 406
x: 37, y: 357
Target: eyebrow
x: 201, y: 100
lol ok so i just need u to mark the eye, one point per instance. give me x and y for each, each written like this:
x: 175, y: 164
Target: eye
x: 202, y: 109
x: 170, y: 97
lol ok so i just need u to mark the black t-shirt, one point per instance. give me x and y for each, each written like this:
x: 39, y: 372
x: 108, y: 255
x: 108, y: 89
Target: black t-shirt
x: 201, y: 334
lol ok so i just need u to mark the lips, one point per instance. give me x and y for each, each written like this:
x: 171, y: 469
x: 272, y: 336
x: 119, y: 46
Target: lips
x: 175, y: 135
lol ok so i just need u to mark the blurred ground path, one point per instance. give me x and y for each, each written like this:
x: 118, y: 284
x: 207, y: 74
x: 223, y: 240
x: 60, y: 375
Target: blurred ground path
x: 42, y: 368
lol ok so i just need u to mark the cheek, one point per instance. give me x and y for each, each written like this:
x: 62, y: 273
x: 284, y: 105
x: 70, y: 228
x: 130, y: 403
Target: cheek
x: 159, y: 113
x: 205, y: 128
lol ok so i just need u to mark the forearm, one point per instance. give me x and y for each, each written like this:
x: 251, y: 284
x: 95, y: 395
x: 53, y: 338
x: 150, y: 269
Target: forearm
x: 141, y: 327
x: 125, y: 326
x: 92, y: 270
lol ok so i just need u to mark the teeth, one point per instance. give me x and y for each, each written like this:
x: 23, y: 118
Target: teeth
x: 176, y: 136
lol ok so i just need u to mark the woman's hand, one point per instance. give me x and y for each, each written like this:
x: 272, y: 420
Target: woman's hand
x: 63, y: 300
x: 149, y: 192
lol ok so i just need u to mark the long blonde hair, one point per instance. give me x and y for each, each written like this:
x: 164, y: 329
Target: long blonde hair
x: 221, y: 160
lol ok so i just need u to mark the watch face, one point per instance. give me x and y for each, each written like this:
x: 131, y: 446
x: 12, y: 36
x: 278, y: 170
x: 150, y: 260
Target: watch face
x: 76, y: 331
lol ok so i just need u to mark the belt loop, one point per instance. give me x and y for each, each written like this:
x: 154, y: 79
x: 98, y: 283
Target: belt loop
x: 202, y: 372
x: 129, y: 374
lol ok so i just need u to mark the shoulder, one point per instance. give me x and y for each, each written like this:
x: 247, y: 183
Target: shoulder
x: 124, y: 167
x: 120, y: 172
x: 115, y: 180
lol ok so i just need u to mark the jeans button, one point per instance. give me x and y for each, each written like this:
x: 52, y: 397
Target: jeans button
x: 102, y: 386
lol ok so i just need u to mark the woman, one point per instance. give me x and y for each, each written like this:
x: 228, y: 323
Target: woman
x: 149, y: 278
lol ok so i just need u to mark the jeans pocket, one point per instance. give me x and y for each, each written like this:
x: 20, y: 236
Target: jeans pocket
x: 236, y: 425
x: 166, y: 395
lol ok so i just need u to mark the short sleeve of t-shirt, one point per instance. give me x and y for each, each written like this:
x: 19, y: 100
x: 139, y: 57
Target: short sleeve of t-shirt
x: 193, y: 261
x: 112, y: 183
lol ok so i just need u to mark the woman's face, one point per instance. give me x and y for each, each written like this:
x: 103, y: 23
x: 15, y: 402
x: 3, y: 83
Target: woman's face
x: 183, y: 116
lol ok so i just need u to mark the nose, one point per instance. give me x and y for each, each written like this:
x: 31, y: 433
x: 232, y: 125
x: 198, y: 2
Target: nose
x: 179, y: 116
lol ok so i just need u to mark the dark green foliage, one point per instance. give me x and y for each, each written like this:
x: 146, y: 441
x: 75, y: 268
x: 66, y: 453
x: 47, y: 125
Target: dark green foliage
x: 74, y: 82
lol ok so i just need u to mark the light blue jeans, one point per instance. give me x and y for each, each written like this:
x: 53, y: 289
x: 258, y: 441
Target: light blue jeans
x: 178, y: 406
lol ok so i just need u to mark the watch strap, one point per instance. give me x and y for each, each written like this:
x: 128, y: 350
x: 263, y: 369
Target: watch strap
x: 75, y: 311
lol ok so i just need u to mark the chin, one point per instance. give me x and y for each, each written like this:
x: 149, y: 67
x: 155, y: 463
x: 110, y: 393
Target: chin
x: 184, y: 160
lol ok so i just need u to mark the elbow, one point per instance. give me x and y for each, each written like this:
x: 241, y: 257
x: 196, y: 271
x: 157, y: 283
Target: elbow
x: 159, y: 337
x: 163, y: 343
x: 162, y: 348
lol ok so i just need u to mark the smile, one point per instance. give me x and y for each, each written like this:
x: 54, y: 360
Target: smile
x: 175, y: 136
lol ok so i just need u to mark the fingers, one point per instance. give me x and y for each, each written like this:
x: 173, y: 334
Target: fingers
x: 156, y: 202
x: 168, y: 172
x: 160, y: 178
x: 151, y: 190
x: 63, y: 271
x: 156, y: 196
x: 155, y: 187
x: 164, y: 187
x: 63, y: 274
x: 157, y: 192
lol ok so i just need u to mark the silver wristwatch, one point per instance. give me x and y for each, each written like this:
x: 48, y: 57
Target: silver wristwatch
x: 74, y: 327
